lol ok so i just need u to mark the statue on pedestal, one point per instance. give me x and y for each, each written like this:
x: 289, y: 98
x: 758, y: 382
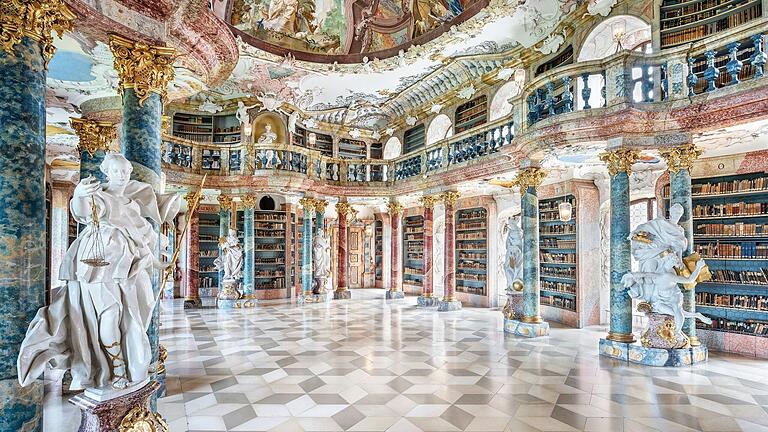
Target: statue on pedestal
x: 513, y: 268
x: 96, y: 325
x: 321, y: 254
x: 658, y: 246
x: 231, y: 262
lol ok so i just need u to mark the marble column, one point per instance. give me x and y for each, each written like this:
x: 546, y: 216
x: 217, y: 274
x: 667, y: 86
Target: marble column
x: 95, y: 139
x: 26, y: 47
x: 396, y: 282
x: 320, y: 206
x: 192, y: 240
x: 619, y: 163
x: 306, y: 248
x: 528, y: 180
x: 225, y: 216
x: 344, y: 210
x: 679, y: 163
x: 449, y: 302
x: 249, y: 204
x: 426, y: 298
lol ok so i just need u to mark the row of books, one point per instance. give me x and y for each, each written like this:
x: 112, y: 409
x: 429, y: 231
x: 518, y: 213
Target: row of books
x: 557, y: 258
x: 473, y: 214
x: 470, y: 225
x: 471, y: 255
x: 471, y: 290
x: 759, y: 328
x: 730, y: 209
x: 209, y: 282
x: 269, y: 247
x: 558, y: 286
x: 558, y: 229
x: 277, y: 283
x: 413, y: 271
x: 269, y: 217
x: 193, y: 137
x: 753, y: 302
x: 209, y: 253
x: 269, y: 260
x: 558, y: 243
x: 471, y: 265
x: 566, y: 272
x: 559, y: 302
x: 416, y: 229
x: 414, y: 237
x: 415, y: 256
x: 270, y: 273
x: 479, y: 235
x: 275, y: 226
x: 750, y: 277
x: 552, y: 206
x: 191, y: 129
x: 268, y: 233
x: 733, y: 250
x: 732, y: 230
x: 727, y: 187
x: 470, y: 276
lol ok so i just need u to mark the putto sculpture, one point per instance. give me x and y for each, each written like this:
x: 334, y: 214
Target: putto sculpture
x: 96, y: 325
x: 658, y: 246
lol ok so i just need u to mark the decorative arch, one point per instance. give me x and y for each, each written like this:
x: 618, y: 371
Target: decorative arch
x: 500, y: 106
x: 393, y: 148
x: 604, y: 38
x: 440, y: 127
x: 275, y: 121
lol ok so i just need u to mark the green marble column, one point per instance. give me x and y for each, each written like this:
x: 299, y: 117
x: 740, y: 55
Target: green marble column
x: 306, y: 247
x: 249, y: 204
x: 225, y: 216
x: 24, y: 52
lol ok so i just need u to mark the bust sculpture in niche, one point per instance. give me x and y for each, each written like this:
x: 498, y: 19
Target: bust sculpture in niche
x: 96, y: 325
x: 268, y: 137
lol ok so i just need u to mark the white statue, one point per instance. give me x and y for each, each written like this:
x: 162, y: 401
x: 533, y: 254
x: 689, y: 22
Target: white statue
x: 231, y: 258
x: 269, y: 101
x: 96, y: 325
x: 321, y: 254
x: 513, y: 260
x: 658, y: 246
x: 242, y: 113
x: 268, y: 137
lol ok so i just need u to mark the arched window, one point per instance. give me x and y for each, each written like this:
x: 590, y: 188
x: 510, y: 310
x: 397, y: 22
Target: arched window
x: 439, y: 128
x: 393, y: 148
x: 266, y: 203
x: 500, y: 106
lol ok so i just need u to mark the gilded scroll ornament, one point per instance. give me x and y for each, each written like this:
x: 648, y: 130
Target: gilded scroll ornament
x: 429, y: 201
x: 450, y: 197
x: 320, y: 205
x: 680, y: 158
x: 530, y: 177
x: 94, y: 135
x: 36, y: 19
x: 142, y: 67
x: 225, y: 202
x: 308, y: 204
x: 394, y: 207
x: 249, y: 201
x: 141, y: 419
x: 344, y: 208
x: 620, y: 160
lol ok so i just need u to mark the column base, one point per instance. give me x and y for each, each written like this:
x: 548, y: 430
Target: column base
x: 526, y: 329
x: 192, y: 303
x: 448, y: 305
x: 308, y: 298
x: 22, y: 407
x: 342, y: 294
x: 426, y: 301
x: 248, y: 301
x: 124, y: 412
x: 395, y: 294
x: 662, y: 357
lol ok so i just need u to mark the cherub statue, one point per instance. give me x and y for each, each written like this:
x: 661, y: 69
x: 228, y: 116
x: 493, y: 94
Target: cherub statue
x: 242, y: 112
x: 658, y: 246
x: 231, y: 258
x: 96, y: 325
x: 321, y: 254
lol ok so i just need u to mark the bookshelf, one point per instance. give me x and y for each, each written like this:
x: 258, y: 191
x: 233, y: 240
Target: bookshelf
x: 414, y: 139
x: 323, y: 144
x: 378, y: 247
x: 413, y: 252
x: 377, y: 150
x: 472, y: 251
x: 209, y: 250
x: 270, y: 251
x: 71, y: 228
x: 471, y: 114
x: 557, y: 249
x: 209, y: 129
x: 352, y: 149
x: 565, y: 57
x: 682, y: 22
x: 299, y: 138
x: 730, y: 225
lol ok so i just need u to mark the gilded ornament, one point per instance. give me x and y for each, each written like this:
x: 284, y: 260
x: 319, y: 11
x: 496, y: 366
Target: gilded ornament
x: 429, y: 201
x: 530, y: 177
x: 190, y: 198
x: 249, y: 201
x: 394, y: 207
x: 36, y: 19
x: 320, y: 205
x: 308, y: 204
x: 165, y: 124
x: 680, y: 158
x: 450, y: 197
x: 144, y: 68
x: 344, y: 208
x: 162, y: 356
x: 141, y: 419
x: 225, y: 202
x: 94, y: 135
x: 620, y: 160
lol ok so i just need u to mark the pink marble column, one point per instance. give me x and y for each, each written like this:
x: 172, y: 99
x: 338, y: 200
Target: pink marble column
x: 192, y: 273
x: 449, y: 302
x: 396, y: 282
x: 343, y: 210
x: 426, y: 298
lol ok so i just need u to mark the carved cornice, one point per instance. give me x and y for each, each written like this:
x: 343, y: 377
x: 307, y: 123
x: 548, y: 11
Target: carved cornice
x: 344, y: 208
x: 36, y: 19
x: 681, y: 158
x: 429, y: 201
x: 450, y: 198
x: 308, y: 204
x: 529, y: 177
x: 225, y: 202
x: 394, y: 207
x: 620, y: 160
x: 320, y: 205
x: 94, y: 135
x: 144, y: 68
x: 249, y: 201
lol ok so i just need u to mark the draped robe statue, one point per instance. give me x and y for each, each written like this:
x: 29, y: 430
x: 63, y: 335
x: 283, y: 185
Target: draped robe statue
x: 231, y: 258
x: 321, y: 254
x: 96, y: 325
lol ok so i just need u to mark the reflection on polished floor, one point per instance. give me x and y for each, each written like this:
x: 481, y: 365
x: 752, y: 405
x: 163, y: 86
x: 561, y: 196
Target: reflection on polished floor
x: 376, y: 365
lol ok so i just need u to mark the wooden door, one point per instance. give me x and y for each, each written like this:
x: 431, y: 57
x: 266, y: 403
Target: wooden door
x: 356, y: 254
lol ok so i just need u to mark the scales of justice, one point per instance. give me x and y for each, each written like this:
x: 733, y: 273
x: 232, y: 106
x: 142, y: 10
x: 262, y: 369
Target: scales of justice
x: 96, y: 324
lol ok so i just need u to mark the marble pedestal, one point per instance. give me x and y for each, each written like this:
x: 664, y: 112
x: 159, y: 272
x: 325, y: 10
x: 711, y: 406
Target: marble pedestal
x: 524, y: 329
x: 423, y: 301
x: 342, y: 295
x: 192, y: 303
x: 228, y: 296
x: 121, y: 413
x: 395, y: 294
x: 315, y: 298
x: 246, y: 302
x: 666, y: 357
x: 448, y: 305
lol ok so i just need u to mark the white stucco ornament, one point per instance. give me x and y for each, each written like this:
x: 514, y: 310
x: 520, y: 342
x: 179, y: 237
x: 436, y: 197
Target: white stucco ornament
x: 467, y: 92
x: 505, y: 74
x: 410, y: 120
x: 390, y: 131
x: 436, y: 108
x: 209, y: 107
x: 600, y: 7
x: 269, y: 101
x: 376, y: 135
x: 310, y: 122
x: 551, y: 43
x: 355, y: 133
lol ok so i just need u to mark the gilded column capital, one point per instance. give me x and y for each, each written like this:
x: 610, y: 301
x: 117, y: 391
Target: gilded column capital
x: 36, y: 19
x: 225, y: 202
x: 429, y: 200
x: 166, y: 124
x: 308, y: 204
x: 344, y: 208
x: 529, y: 177
x: 94, y: 135
x: 680, y: 158
x: 620, y: 160
x: 142, y: 67
x: 249, y: 201
x: 320, y: 205
x: 394, y: 207
x: 190, y: 198
x: 450, y: 197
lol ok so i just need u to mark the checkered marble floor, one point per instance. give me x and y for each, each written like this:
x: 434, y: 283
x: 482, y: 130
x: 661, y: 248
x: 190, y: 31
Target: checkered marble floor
x: 374, y: 365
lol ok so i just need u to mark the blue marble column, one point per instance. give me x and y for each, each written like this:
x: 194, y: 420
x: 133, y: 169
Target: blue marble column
x: 89, y: 165
x: 248, y: 265
x: 320, y: 206
x: 225, y: 216
x: 306, y: 248
x: 22, y: 223
x: 529, y: 209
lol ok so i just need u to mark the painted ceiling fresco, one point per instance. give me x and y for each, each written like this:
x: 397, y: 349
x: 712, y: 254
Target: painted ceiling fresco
x: 337, y: 27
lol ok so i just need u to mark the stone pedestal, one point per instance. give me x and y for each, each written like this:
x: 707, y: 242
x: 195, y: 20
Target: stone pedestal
x: 391, y: 294
x: 426, y: 301
x: 192, y: 303
x: 529, y: 330
x: 228, y: 296
x: 666, y: 357
x: 448, y: 305
x: 121, y: 413
x: 342, y: 295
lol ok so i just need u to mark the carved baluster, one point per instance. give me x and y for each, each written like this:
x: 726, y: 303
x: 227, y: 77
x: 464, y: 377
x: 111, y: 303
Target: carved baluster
x: 711, y: 73
x: 646, y: 85
x: 532, y: 110
x: 586, y: 92
x: 664, y: 82
x: 734, y: 65
x: 550, y: 99
x: 541, y: 103
x: 759, y: 58
x: 692, y: 79
x: 567, y: 95
x: 604, y: 89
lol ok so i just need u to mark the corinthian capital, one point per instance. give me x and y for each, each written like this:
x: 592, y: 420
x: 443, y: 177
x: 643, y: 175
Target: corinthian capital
x: 344, y: 208
x: 680, y: 158
x: 394, y: 207
x: 529, y: 177
x: 225, y: 202
x: 620, y: 160
x: 450, y: 197
x: 429, y: 201
x: 320, y: 205
x: 308, y: 204
x: 249, y: 201
x: 94, y: 135
x: 144, y: 68
x: 35, y: 19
